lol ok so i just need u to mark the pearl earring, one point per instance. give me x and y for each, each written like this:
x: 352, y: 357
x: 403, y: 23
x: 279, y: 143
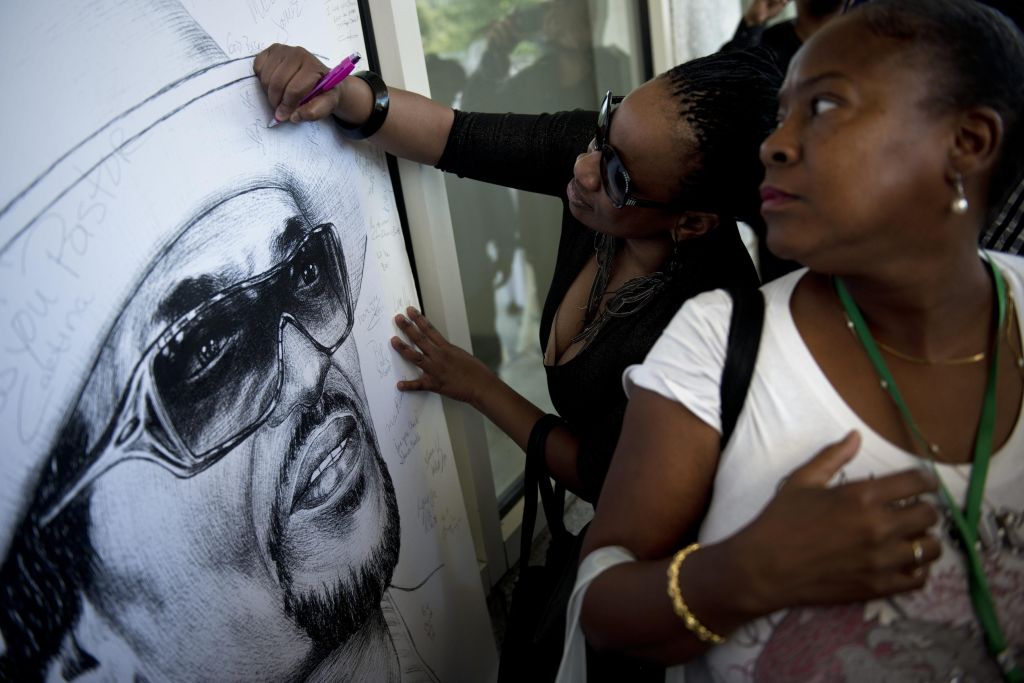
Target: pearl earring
x: 959, y: 204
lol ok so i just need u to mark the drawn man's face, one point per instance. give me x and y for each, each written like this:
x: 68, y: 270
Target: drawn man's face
x: 278, y: 547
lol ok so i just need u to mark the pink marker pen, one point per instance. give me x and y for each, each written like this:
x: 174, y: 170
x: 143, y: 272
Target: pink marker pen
x: 330, y: 79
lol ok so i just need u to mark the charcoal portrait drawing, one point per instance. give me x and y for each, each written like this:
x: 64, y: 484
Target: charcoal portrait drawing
x: 241, y: 418
x: 194, y: 488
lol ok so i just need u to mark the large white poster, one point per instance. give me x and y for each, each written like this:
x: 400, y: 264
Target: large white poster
x: 207, y: 473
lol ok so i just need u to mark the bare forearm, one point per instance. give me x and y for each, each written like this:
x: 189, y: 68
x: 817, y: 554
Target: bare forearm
x: 513, y: 414
x: 627, y: 608
x: 814, y: 543
x: 416, y: 127
x: 655, y: 494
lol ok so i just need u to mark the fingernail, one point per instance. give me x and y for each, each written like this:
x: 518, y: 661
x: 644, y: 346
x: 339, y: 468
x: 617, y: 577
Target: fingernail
x: 281, y: 114
x: 295, y: 118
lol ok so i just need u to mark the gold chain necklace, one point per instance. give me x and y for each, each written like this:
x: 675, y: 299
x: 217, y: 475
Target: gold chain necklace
x: 962, y: 360
x: 1018, y: 352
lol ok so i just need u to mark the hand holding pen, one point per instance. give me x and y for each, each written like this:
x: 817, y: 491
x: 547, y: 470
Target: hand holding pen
x: 286, y: 97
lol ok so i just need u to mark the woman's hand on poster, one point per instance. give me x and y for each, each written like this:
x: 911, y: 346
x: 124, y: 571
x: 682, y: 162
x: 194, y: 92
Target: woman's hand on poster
x: 287, y: 73
x: 446, y: 369
x: 853, y: 541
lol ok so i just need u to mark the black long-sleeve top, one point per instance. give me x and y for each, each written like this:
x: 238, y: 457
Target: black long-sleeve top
x: 536, y: 154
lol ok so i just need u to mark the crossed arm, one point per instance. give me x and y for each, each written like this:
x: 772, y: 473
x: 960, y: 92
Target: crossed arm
x: 812, y: 544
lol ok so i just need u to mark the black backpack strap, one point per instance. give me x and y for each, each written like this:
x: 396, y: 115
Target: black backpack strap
x: 745, y: 326
x: 536, y: 478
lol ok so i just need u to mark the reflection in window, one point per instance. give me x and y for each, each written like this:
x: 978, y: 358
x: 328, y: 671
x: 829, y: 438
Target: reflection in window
x: 530, y: 56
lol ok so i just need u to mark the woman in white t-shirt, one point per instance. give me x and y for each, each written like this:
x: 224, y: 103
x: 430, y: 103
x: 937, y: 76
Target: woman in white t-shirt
x: 895, y: 357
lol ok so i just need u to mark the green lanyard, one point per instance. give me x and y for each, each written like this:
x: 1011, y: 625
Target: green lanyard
x: 966, y: 521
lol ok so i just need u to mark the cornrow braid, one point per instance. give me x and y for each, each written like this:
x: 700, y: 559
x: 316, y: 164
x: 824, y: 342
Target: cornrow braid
x: 730, y: 101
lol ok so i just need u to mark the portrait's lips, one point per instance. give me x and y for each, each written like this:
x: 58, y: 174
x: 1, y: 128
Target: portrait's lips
x: 773, y: 198
x: 572, y: 193
x: 331, y: 462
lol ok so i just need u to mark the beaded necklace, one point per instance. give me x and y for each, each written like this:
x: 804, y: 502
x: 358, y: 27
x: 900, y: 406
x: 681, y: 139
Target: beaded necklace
x: 627, y: 299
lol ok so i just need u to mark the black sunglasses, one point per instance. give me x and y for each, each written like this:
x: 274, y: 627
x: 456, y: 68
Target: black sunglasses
x: 614, y: 176
x: 214, y: 376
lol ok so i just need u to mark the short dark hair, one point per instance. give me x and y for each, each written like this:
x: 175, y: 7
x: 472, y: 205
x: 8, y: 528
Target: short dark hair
x: 974, y: 56
x: 730, y: 100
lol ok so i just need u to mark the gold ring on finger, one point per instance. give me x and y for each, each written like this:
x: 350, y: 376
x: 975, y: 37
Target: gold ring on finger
x: 918, y: 551
x: 903, y: 503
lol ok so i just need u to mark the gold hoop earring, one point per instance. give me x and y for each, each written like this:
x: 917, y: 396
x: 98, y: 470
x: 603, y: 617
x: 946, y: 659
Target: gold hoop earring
x: 959, y: 204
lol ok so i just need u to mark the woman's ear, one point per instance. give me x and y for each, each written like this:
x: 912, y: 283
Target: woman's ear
x: 694, y: 224
x: 979, y: 135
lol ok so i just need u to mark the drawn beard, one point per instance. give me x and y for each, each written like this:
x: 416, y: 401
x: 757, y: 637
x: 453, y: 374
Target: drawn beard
x: 331, y: 614
x: 330, y: 617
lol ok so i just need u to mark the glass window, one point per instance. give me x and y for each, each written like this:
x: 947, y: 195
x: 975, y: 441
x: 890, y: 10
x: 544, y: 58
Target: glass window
x: 525, y: 56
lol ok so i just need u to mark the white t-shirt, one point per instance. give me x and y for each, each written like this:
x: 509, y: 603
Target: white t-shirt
x: 791, y: 412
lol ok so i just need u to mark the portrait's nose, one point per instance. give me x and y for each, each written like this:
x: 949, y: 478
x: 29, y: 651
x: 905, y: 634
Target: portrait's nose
x: 304, y: 369
x: 587, y: 170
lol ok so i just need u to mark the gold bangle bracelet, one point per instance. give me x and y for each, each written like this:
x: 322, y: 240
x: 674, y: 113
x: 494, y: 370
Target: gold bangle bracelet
x: 679, y: 605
